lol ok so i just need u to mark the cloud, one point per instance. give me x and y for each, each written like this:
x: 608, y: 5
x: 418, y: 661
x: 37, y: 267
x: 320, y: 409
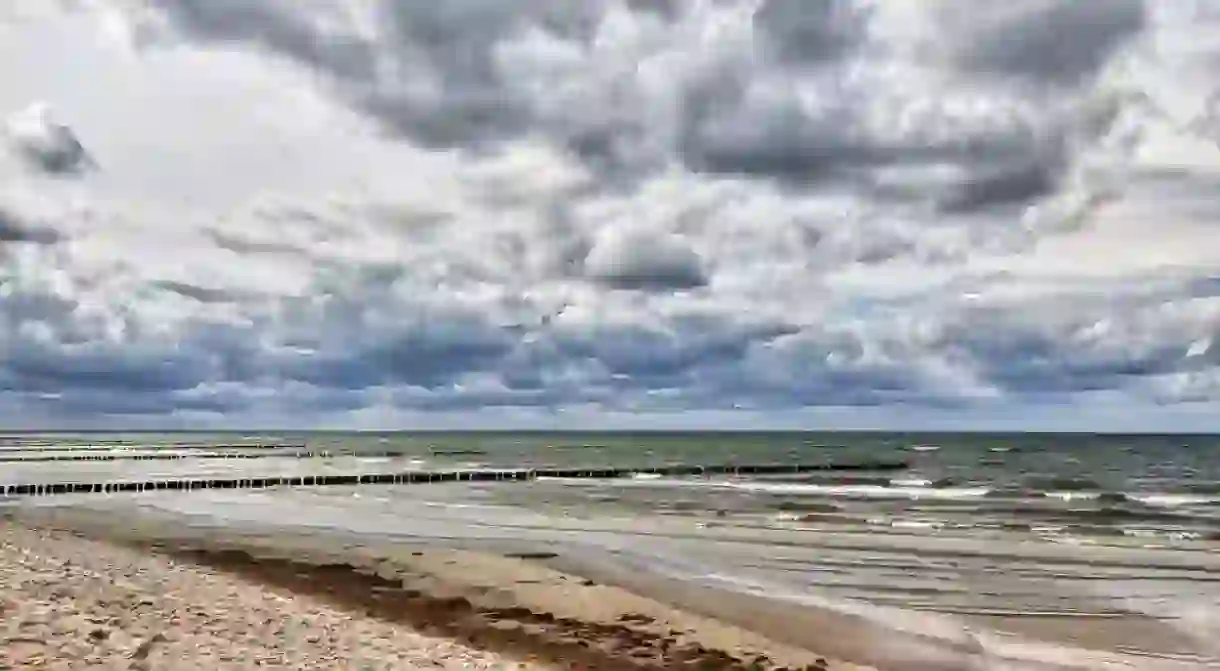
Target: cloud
x: 1044, y: 40
x: 364, y: 211
x: 810, y: 32
x: 47, y: 145
x: 13, y: 228
x: 640, y: 260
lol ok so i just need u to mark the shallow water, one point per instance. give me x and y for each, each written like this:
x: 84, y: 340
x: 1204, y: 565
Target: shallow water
x: 1163, y: 489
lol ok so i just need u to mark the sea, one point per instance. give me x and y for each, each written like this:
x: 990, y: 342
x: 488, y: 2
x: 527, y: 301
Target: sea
x: 1045, y: 551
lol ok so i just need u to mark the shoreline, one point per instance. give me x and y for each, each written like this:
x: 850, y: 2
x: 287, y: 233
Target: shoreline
x: 570, y: 606
x: 513, y: 608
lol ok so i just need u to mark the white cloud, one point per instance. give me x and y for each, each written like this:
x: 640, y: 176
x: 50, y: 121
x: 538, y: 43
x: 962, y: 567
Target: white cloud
x: 362, y: 210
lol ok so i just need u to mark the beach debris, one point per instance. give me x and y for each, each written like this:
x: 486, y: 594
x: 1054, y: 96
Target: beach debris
x: 142, y: 651
x: 535, y: 556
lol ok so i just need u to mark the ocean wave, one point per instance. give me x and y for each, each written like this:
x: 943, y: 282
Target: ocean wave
x: 909, y: 482
x: 1173, y: 500
x: 1081, y: 495
x: 859, y: 491
x: 1056, y: 483
x: 1169, y: 534
x: 1148, y: 499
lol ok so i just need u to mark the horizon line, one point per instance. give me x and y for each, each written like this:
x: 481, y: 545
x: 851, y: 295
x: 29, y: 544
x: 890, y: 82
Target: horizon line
x: 654, y: 430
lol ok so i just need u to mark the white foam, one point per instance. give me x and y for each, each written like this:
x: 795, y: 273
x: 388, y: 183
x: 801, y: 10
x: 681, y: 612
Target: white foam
x: 1173, y: 500
x: 912, y: 482
x: 914, y: 489
x: 916, y: 524
x: 924, y: 448
x: 1073, y: 496
x: 1162, y: 534
x: 863, y: 491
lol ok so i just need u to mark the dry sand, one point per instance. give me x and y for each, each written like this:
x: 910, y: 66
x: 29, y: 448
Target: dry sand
x: 72, y: 603
x: 318, y: 602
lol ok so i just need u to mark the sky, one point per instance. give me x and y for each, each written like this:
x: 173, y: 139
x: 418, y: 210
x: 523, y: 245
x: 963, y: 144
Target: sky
x: 610, y: 214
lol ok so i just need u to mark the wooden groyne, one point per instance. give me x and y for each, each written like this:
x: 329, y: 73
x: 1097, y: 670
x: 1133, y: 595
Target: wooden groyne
x: 424, y: 477
x: 84, y: 448
x: 122, y: 455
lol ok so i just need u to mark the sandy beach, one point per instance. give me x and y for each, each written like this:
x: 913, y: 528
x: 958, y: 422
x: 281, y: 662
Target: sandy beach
x: 72, y: 603
x: 144, y: 598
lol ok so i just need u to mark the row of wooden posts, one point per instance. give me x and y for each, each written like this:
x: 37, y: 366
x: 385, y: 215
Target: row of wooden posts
x: 423, y: 477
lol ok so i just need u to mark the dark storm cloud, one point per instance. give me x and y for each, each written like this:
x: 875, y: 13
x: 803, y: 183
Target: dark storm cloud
x: 83, y: 373
x: 273, y: 25
x: 458, y: 400
x: 427, y: 357
x: 1016, y: 184
x: 241, y: 246
x: 1021, y: 354
x: 1048, y: 40
x: 667, y: 9
x: 448, y: 49
x: 65, y: 156
x: 364, y: 337
x: 810, y: 31
x: 1028, y: 364
x: 45, y: 144
x: 88, y: 402
x: 780, y: 140
x: 643, y: 354
x: 640, y: 357
x: 68, y: 355
x: 818, y: 366
x: 201, y: 294
x: 457, y: 40
x: 448, y: 45
x: 439, y: 83
x: 13, y: 228
x: 51, y: 368
x: 785, y: 142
